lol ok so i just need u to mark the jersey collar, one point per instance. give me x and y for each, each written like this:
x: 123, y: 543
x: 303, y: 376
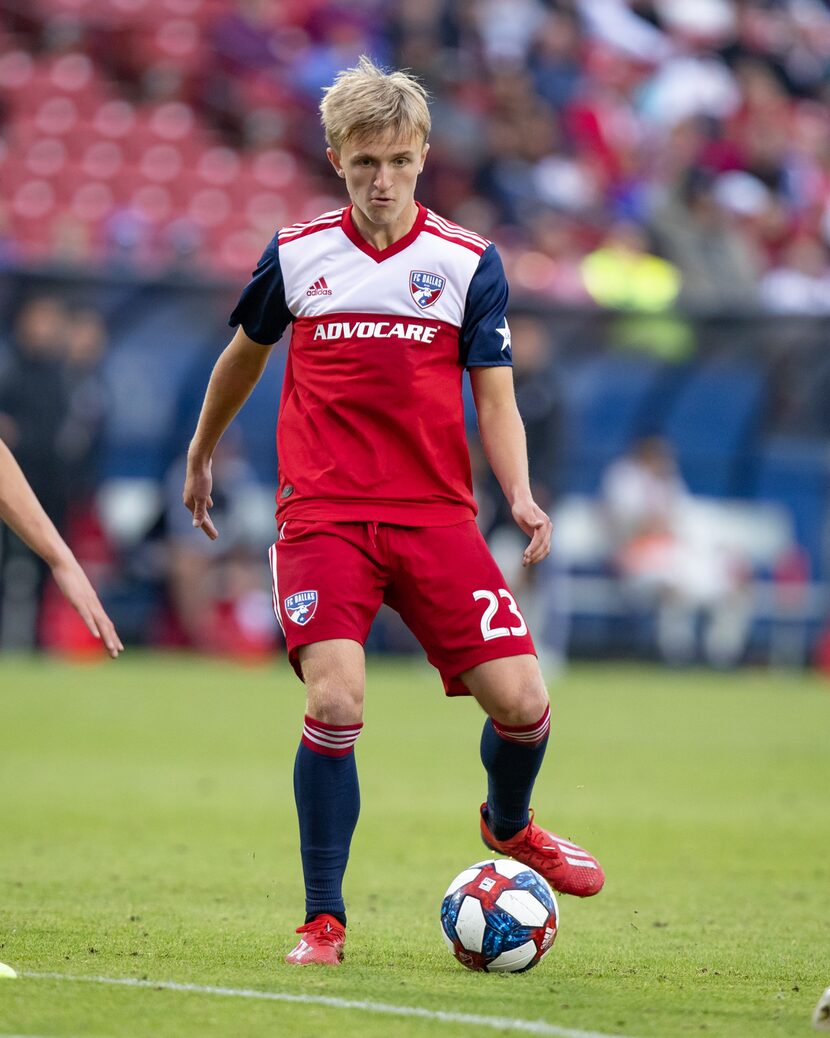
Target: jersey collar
x: 379, y: 255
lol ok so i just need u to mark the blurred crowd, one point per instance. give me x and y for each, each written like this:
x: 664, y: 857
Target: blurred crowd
x: 52, y: 411
x: 642, y: 564
x: 627, y: 153
x: 134, y: 537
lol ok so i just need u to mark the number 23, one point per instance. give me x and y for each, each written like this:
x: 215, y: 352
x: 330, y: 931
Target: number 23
x: 488, y: 632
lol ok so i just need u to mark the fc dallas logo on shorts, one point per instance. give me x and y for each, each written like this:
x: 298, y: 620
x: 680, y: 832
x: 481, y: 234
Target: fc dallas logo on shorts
x: 425, y: 287
x: 301, y: 607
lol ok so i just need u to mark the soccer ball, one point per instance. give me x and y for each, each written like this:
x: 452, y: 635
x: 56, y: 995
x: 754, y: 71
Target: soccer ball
x: 499, y: 916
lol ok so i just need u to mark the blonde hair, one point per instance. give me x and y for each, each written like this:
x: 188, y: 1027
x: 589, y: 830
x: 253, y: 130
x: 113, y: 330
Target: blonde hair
x: 366, y: 100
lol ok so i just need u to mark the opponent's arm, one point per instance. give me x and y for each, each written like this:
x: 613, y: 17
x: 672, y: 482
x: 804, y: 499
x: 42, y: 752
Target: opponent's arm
x: 24, y: 514
x: 505, y: 445
x: 235, y: 374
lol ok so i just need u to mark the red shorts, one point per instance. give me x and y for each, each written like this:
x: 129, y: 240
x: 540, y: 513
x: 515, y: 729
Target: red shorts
x: 330, y: 579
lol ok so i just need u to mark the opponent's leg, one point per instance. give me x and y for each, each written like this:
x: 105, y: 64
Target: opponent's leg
x: 326, y: 791
x: 513, y: 742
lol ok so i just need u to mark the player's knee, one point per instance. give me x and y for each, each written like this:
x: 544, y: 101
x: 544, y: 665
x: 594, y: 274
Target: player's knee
x: 524, y: 703
x: 334, y: 680
x: 334, y: 703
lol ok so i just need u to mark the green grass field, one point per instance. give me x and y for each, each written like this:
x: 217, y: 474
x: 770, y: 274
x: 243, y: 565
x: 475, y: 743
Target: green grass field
x: 147, y: 831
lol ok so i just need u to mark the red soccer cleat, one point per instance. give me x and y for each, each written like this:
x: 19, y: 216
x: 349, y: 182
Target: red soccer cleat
x: 569, y: 869
x: 321, y: 944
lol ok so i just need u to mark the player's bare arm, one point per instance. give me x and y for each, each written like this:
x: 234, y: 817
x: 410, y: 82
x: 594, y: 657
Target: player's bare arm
x: 505, y: 445
x: 24, y: 514
x: 235, y: 374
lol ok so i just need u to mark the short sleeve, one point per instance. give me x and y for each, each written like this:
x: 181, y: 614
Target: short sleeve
x: 262, y: 310
x: 485, y: 335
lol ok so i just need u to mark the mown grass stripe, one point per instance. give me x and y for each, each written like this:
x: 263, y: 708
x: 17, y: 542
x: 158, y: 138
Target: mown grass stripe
x: 495, y: 1023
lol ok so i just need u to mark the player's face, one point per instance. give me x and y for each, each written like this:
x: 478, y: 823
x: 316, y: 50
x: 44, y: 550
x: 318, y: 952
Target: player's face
x: 380, y: 174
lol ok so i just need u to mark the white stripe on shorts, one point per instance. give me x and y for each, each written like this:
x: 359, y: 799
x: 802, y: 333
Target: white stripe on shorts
x: 275, y: 591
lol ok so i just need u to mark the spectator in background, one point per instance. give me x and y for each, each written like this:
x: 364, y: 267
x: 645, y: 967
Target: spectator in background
x: 667, y: 564
x: 34, y: 406
x: 551, y: 266
x: 623, y: 274
x: 697, y: 234
x: 81, y: 434
x: 555, y: 58
x: 800, y: 283
x: 216, y: 591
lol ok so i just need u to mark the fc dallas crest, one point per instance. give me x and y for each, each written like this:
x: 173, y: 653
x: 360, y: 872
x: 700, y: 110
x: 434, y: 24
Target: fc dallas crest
x: 301, y: 607
x: 426, y: 288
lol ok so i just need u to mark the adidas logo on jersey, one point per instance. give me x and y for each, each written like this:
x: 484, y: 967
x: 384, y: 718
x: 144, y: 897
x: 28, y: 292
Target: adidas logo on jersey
x: 319, y: 288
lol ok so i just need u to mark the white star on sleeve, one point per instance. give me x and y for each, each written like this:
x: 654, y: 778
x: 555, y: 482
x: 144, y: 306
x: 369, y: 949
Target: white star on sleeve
x: 504, y: 332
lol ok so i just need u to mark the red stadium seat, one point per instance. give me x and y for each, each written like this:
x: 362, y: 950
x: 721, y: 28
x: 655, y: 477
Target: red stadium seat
x: 57, y: 115
x: 102, y: 159
x: 161, y: 163
x: 33, y: 207
x: 219, y: 166
x: 17, y: 69
x: 179, y: 39
x: 210, y: 207
x: 71, y: 177
x: 45, y: 157
x: 237, y: 251
x: 275, y: 169
x: 72, y: 73
x: 144, y: 137
x: 38, y: 89
x: 114, y: 118
x: 264, y: 212
x: 173, y: 121
x: 155, y: 202
x: 177, y: 42
x: 75, y: 76
x: 128, y: 180
x: 13, y: 176
x: 92, y: 202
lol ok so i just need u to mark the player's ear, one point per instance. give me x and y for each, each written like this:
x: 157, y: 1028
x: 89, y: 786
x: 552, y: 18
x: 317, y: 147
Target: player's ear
x: 424, y: 151
x: 334, y: 159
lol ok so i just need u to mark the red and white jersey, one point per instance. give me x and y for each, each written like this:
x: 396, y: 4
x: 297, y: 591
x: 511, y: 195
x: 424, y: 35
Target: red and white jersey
x: 371, y: 422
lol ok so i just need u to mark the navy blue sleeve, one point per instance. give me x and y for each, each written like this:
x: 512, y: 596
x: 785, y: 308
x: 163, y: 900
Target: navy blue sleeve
x: 485, y: 335
x: 262, y: 310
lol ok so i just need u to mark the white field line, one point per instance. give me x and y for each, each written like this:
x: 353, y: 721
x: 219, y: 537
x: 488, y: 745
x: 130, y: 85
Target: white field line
x: 496, y: 1023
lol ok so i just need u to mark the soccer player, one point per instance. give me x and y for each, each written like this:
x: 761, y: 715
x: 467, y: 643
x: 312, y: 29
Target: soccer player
x: 22, y: 511
x: 389, y: 303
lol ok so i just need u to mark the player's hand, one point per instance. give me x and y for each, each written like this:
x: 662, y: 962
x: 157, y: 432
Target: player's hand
x: 530, y: 518
x: 196, y: 496
x: 78, y: 591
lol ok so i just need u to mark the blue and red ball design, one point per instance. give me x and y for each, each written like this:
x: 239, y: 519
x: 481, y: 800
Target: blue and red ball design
x: 499, y: 916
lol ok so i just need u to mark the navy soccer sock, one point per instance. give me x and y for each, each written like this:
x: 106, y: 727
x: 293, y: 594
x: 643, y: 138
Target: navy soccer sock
x: 327, y: 794
x: 512, y: 756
